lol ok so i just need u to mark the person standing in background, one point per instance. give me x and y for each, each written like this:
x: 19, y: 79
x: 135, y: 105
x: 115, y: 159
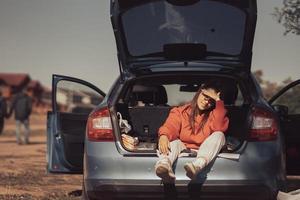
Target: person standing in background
x: 3, y: 111
x: 22, y: 106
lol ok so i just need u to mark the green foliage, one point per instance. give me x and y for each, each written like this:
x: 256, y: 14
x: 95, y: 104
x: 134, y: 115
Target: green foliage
x: 291, y: 98
x: 289, y: 16
x: 268, y: 88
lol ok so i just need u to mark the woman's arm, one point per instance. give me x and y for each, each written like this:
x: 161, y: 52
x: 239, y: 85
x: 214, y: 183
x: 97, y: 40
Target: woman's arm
x: 172, y: 125
x: 218, y: 119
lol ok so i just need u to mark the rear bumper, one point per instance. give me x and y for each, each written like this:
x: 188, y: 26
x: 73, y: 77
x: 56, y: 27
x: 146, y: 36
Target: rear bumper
x: 121, y: 189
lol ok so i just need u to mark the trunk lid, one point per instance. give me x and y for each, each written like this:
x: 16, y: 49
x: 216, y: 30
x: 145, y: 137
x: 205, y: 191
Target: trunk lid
x: 151, y: 32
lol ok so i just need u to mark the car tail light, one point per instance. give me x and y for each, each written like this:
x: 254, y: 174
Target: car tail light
x: 263, y: 126
x: 99, y: 127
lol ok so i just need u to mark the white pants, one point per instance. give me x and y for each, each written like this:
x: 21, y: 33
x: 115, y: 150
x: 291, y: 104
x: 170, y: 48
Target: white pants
x: 208, y: 150
x: 26, y: 130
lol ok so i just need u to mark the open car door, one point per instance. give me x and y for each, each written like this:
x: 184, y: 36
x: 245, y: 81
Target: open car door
x: 287, y: 104
x: 72, y: 101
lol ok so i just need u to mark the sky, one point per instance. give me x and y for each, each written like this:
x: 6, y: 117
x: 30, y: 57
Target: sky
x: 75, y: 38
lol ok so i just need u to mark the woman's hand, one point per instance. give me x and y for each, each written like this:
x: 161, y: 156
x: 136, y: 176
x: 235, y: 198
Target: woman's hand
x: 212, y: 94
x: 216, y: 96
x: 164, y: 145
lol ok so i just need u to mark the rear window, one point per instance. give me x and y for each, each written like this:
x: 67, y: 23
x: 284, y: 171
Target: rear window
x: 218, y: 25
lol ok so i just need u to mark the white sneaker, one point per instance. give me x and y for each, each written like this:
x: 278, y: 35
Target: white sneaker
x: 192, y: 170
x: 164, y: 170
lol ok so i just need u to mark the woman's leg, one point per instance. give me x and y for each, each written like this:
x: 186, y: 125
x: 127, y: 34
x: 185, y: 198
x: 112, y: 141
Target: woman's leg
x: 208, y: 150
x: 176, y: 147
x: 163, y: 167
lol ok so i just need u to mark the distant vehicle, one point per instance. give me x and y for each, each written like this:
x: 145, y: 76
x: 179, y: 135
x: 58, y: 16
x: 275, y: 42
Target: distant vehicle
x: 166, y: 49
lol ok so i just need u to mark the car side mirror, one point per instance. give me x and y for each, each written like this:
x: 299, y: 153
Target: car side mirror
x: 281, y: 109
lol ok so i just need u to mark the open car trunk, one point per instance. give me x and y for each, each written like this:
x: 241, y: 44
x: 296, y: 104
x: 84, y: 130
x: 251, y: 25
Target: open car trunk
x: 146, y: 102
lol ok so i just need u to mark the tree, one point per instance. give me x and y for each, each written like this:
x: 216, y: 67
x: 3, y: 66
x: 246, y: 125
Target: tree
x: 289, y: 16
x: 258, y: 75
x: 269, y: 88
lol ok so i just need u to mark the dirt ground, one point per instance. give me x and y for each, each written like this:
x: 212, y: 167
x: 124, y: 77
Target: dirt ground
x: 23, y: 167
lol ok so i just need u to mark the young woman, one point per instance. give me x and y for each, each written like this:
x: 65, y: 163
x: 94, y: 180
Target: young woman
x: 198, y: 125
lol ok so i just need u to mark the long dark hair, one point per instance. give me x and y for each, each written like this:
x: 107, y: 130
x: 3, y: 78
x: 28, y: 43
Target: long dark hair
x: 195, y: 111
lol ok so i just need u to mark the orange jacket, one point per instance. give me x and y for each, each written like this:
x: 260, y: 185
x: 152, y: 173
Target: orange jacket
x: 177, y: 125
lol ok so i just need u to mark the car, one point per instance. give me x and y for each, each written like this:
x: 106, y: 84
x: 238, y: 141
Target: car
x: 166, y: 50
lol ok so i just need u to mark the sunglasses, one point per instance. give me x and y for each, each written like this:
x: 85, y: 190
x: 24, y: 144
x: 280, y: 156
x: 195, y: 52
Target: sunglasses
x: 208, y: 98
